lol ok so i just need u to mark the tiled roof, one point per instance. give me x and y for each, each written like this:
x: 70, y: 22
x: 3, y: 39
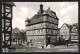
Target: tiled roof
x: 76, y: 25
x: 39, y: 17
x: 49, y: 12
x: 10, y: 3
x: 66, y: 25
x: 69, y: 26
x: 36, y: 19
x: 16, y: 30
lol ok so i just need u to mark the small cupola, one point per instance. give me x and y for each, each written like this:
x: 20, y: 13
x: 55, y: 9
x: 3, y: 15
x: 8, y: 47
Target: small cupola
x: 41, y: 9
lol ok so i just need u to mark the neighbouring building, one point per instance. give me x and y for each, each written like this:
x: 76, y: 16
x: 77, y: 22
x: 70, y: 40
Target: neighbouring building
x: 65, y: 31
x: 42, y: 28
x: 74, y: 33
x: 23, y: 36
x: 16, y: 36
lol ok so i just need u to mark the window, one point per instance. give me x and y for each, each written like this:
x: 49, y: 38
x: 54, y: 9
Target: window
x: 76, y: 29
x: 53, y: 19
x: 14, y: 40
x: 45, y: 18
x: 51, y: 32
x: 38, y: 32
x: 41, y: 30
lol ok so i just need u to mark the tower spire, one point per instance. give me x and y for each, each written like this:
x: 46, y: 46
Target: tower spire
x: 41, y: 8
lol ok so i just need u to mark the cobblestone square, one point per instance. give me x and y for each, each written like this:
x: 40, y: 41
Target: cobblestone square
x: 61, y: 48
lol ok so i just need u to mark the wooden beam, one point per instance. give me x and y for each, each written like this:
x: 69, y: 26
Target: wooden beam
x: 8, y: 13
x: 11, y: 26
x: 4, y: 28
x: 8, y: 27
x: 7, y: 32
x: 8, y: 8
x: 8, y: 40
x: 7, y: 18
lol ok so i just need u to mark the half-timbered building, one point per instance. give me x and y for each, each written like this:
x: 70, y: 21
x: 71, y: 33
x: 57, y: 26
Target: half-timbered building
x: 16, y: 36
x: 42, y: 28
x: 74, y: 33
x: 65, y: 31
x: 7, y: 16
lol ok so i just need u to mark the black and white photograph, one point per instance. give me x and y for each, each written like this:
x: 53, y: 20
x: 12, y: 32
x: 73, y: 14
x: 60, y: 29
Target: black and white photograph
x: 40, y: 27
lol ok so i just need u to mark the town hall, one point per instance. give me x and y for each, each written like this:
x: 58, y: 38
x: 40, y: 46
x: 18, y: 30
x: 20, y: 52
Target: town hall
x: 42, y: 28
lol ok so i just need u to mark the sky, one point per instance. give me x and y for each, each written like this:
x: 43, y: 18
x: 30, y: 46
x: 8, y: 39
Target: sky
x: 67, y: 12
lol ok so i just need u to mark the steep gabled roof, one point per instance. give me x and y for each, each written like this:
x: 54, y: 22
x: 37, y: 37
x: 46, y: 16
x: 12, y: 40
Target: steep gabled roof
x: 36, y: 19
x: 49, y: 12
x: 39, y: 17
x: 16, y: 30
x: 69, y: 26
x: 66, y: 25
